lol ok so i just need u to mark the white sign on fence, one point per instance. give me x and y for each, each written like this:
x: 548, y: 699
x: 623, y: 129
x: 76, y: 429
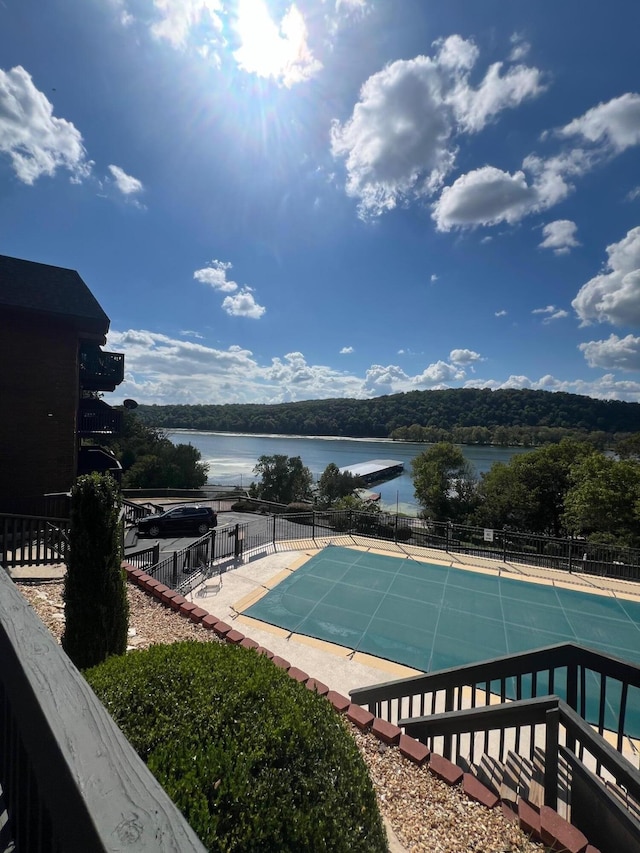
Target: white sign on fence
x: 488, y: 534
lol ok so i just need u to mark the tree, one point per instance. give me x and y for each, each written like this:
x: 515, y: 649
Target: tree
x: 603, y: 502
x: 95, y: 594
x: 335, y: 484
x: 151, y: 461
x: 284, y: 479
x: 528, y: 492
x: 444, y: 482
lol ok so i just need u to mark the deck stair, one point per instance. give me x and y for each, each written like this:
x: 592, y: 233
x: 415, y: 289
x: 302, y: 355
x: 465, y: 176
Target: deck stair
x: 540, y: 754
x: 520, y: 778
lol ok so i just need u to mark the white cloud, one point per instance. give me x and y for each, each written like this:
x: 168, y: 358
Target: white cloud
x: 456, y: 54
x: 36, y: 142
x: 484, y: 196
x: 437, y: 374
x: 520, y: 48
x: 475, y: 107
x: 606, y: 387
x: 633, y: 194
x: 215, y: 275
x: 615, y: 123
x: 501, y: 313
x: 434, y: 278
x: 552, y: 313
x: 120, y: 6
x: 243, y: 304
x: 613, y: 296
x: 560, y: 236
x: 127, y: 184
x: 160, y: 370
x: 268, y: 49
x: 190, y: 333
x: 488, y: 196
x: 464, y: 356
x: 614, y: 353
x: 346, y: 350
x: 179, y: 19
x: 398, y: 143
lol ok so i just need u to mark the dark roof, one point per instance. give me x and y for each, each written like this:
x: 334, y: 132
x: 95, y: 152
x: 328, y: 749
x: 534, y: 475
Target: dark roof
x: 44, y: 289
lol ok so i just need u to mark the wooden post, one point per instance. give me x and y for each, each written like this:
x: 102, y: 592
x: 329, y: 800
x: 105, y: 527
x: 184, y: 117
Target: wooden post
x: 551, y: 758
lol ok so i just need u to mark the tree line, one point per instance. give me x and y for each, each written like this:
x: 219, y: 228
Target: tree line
x: 461, y: 415
x: 565, y: 489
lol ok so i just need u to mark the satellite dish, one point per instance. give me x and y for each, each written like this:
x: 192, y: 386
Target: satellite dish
x: 130, y: 404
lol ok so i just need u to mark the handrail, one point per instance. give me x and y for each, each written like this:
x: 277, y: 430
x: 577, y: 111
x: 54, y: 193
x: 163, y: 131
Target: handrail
x: 70, y: 779
x: 530, y: 712
x: 508, y: 666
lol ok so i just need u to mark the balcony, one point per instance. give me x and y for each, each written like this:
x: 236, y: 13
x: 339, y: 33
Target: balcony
x: 97, y: 418
x: 69, y: 779
x: 100, y: 371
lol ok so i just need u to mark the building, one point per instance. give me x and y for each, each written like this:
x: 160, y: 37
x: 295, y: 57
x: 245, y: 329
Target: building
x: 52, y: 330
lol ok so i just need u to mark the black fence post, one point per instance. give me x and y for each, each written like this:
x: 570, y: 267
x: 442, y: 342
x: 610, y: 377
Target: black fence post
x: 448, y: 706
x: 504, y: 546
x: 572, y: 698
x: 551, y: 758
x: 156, y: 554
x: 174, y: 571
x: 274, y: 531
x: 313, y: 524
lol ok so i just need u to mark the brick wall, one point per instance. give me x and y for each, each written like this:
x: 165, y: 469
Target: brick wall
x: 38, y: 403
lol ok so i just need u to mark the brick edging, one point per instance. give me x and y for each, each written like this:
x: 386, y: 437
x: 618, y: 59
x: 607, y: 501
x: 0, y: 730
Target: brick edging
x: 545, y: 825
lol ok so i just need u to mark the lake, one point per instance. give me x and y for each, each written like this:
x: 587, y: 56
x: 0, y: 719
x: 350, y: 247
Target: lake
x: 232, y: 457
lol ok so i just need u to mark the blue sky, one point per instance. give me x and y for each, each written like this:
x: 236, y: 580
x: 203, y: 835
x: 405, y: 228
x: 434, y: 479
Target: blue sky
x: 278, y: 201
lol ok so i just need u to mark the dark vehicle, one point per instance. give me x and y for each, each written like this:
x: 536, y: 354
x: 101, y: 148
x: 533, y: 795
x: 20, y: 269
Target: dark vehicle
x: 181, y: 519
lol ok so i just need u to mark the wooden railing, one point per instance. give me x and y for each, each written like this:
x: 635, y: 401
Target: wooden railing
x: 592, y: 683
x: 454, y: 711
x: 70, y: 780
x: 578, y: 765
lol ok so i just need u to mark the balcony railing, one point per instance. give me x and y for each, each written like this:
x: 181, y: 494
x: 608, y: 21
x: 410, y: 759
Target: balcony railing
x: 70, y: 780
x: 32, y: 540
x: 100, y: 371
x: 97, y: 418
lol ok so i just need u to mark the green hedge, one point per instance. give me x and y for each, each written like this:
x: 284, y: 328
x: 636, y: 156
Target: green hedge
x: 255, y: 761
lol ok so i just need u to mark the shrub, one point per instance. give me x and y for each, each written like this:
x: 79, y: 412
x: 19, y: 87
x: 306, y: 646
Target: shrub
x: 254, y: 760
x: 244, y: 506
x: 95, y: 592
x: 299, y: 508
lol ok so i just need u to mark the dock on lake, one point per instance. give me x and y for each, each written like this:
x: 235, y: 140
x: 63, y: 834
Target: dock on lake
x: 375, y: 470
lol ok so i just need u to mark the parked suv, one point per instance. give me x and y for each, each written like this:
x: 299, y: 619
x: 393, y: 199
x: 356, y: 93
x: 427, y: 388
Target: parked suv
x: 180, y: 519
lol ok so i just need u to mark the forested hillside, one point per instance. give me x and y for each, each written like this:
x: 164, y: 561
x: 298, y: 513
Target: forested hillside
x: 464, y: 415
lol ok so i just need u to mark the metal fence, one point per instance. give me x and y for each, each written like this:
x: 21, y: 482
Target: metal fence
x: 184, y: 569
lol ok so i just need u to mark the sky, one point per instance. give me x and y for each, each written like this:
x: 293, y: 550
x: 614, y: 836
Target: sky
x: 279, y: 201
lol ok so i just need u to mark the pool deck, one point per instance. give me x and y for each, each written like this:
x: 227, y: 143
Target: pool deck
x: 242, y: 583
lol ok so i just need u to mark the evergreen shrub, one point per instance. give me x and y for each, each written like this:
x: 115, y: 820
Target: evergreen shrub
x: 254, y: 760
x: 95, y: 589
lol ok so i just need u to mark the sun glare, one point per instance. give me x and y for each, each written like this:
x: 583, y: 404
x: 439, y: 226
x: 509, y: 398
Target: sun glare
x: 268, y: 50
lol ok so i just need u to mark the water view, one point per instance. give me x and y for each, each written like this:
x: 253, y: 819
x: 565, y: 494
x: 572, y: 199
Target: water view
x: 232, y: 457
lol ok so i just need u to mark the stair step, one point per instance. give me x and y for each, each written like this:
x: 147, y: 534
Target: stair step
x: 489, y: 771
x: 523, y: 779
